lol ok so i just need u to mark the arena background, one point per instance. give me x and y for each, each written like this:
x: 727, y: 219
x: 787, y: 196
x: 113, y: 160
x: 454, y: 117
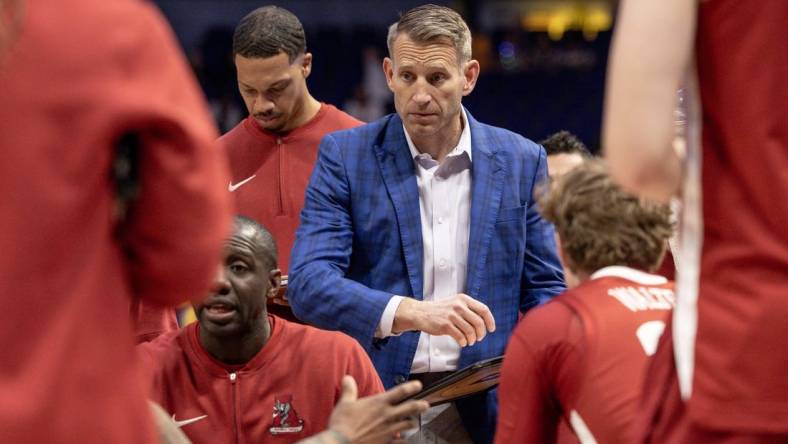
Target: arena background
x: 543, y: 62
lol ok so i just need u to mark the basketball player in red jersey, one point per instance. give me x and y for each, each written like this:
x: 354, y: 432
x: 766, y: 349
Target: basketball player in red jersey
x: 728, y: 379
x: 76, y: 79
x: 272, y: 152
x: 582, y: 356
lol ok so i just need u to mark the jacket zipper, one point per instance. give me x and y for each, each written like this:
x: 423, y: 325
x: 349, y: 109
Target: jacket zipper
x: 281, y: 176
x: 233, y: 377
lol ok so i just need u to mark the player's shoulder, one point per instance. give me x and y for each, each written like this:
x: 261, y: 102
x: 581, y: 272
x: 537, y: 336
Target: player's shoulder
x: 366, y: 133
x: 546, y: 324
x: 238, y: 132
x: 319, y: 342
x: 340, y: 120
x: 156, y: 352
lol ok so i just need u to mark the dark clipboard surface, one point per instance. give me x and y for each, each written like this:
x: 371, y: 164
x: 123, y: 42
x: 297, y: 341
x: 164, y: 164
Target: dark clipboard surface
x: 475, y: 378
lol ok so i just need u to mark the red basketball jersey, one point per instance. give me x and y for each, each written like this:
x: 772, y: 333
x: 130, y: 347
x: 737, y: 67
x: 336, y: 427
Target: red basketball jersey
x: 583, y: 357
x: 732, y: 317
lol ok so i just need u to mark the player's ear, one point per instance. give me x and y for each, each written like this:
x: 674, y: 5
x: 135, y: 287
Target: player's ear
x: 306, y: 64
x: 275, y: 281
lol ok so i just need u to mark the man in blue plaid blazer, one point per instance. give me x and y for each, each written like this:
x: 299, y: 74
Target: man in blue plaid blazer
x: 419, y: 234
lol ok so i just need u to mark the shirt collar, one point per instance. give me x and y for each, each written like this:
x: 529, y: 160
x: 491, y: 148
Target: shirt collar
x: 463, y: 145
x: 630, y: 274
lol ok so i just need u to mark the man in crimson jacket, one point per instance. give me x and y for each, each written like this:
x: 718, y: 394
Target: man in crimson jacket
x: 242, y: 375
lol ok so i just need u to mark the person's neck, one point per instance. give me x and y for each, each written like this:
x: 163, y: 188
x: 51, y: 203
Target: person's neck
x: 439, y: 145
x: 582, y: 276
x: 235, y: 350
x: 308, y: 110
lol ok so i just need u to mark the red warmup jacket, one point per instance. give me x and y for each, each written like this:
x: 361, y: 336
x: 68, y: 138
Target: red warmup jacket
x: 285, y: 393
x: 77, y: 76
x: 270, y: 171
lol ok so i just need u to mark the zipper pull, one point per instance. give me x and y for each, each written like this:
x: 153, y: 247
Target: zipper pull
x: 233, y: 377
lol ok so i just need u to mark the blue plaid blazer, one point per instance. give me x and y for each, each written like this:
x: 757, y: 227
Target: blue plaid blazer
x: 360, y: 240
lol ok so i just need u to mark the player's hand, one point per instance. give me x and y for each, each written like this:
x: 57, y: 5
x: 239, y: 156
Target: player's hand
x: 463, y: 318
x: 378, y: 418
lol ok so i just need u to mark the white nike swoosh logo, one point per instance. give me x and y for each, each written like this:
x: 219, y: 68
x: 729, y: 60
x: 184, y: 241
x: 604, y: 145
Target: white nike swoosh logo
x: 232, y: 187
x: 186, y: 422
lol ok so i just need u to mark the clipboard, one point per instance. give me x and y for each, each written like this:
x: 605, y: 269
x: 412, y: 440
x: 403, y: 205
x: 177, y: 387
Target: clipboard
x: 476, y: 378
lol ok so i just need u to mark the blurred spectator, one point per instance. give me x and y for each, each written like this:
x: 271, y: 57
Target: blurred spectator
x: 362, y: 107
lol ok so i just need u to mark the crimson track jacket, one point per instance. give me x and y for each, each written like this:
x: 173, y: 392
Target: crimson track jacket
x: 270, y: 171
x: 283, y: 394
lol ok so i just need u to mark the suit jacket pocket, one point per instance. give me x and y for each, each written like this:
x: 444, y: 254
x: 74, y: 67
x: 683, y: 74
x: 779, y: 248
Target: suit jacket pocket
x: 507, y: 214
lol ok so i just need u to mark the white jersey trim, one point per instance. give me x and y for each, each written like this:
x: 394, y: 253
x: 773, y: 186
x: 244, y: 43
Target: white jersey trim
x: 685, y: 315
x: 630, y: 274
x: 582, y: 431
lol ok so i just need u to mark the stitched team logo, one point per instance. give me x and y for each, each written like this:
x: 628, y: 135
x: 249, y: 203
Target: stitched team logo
x: 285, y: 418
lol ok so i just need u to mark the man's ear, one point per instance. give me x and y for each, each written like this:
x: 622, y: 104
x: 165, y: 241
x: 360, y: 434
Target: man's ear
x: 306, y: 64
x: 275, y: 281
x: 471, y: 73
x: 388, y: 71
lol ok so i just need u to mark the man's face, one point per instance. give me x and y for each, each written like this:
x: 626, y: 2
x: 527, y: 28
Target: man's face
x: 428, y: 84
x: 560, y: 164
x: 273, y: 89
x: 243, y: 283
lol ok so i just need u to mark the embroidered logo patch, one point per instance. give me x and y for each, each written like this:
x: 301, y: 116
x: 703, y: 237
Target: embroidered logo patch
x: 285, y: 418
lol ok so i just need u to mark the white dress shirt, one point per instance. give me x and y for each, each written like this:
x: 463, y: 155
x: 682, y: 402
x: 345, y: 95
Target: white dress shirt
x: 445, y: 203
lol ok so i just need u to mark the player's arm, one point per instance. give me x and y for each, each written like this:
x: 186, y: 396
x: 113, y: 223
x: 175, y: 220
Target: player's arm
x: 174, y: 230
x: 650, y: 54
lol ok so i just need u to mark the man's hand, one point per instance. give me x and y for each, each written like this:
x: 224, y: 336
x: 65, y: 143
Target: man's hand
x: 374, y: 419
x: 463, y: 318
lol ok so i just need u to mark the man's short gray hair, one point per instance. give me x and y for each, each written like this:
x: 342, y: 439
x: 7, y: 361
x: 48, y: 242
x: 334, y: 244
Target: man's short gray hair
x: 430, y: 23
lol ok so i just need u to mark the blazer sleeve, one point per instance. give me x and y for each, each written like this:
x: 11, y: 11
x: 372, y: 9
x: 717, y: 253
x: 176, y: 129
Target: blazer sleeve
x: 318, y: 291
x: 543, y: 276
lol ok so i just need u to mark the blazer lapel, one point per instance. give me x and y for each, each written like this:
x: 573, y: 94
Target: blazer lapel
x: 399, y: 176
x: 487, y: 188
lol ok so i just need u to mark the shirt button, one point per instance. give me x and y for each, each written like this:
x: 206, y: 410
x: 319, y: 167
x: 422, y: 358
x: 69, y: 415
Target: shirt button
x: 440, y: 220
x: 436, y: 352
x: 442, y: 263
x: 399, y: 379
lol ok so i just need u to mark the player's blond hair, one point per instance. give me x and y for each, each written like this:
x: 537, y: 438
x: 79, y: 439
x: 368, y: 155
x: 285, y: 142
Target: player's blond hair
x: 601, y: 225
